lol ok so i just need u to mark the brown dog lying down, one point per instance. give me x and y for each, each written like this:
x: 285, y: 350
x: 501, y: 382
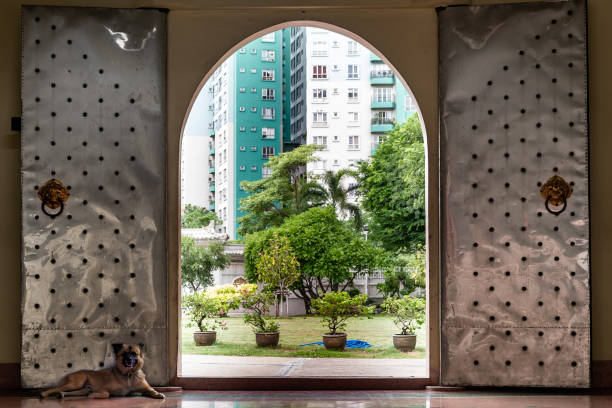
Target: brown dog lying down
x: 123, y: 379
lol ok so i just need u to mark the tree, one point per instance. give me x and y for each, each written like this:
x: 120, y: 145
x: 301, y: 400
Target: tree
x: 405, y: 273
x: 393, y: 188
x: 329, y: 252
x: 338, y: 194
x: 197, y: 217
x: 285, y: 192
x: 198, y: 263
x: 278, y: 267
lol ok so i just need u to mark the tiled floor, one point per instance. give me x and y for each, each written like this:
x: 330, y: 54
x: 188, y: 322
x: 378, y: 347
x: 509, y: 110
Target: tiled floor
x: 331, y: 399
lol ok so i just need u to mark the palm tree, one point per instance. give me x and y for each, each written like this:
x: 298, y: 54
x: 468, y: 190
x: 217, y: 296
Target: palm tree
x: 338, y: 194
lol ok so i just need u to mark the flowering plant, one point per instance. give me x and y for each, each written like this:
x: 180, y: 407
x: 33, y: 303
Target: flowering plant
x: 257, y: 306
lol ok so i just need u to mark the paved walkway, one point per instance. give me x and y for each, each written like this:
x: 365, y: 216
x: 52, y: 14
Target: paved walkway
x: 236, y: 366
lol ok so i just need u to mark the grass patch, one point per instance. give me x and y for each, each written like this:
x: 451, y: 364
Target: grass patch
x: 239, y: 340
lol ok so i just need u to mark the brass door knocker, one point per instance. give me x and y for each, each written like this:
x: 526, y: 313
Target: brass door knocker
x: 556, y: 191
x: 53, y: 195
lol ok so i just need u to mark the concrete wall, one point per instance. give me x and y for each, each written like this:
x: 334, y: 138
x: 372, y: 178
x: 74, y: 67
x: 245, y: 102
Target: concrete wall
x: 200, y: 35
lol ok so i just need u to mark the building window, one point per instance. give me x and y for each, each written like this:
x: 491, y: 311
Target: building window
x: 254, y: 109
x: 242, y: 128
x: 253, y: 168
x: 267, y: 94
x: 319, y: 72
x: 336, y: 115
x: 243, y: 50
x: 267, y: 152
x: 242, y: 148
x: 336, y: 138
x: 410, y: 105
x: 335, y: 67
x: 253, y: 129
x: 242, y: 89
x: 267, y: 113
x: 353, y: 143
x: 353, y: 95
x: 336, y: 92
x: 267, y: 74
x: 253, y: 148
x: 267, y: 133
x: 383, y: 94
x: 319, y: 48
x: 320, y: 141
x: 381, y: 71
x: 353, y: 71
x: 267, y: 55
x: 335, y: 44
x: 253, y: 51
x: 336, y: 162
x: 319, y: 95
x: 353, y: 117
x: 376, y: 139
x: 242, y: 69
x: 352, y: 48
x: 253, y: 90
x: 320, y: 164
x: 268, y: 38
x: 242, y: 109
x: 242, y: 167
x: 266, y: 172
x: 319, y: 118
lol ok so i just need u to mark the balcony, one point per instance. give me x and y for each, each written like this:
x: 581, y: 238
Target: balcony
x: 319, y: 124
x: 212, y: 187
x: 383, y: 102
x: 211, y: 206
x: 211, y: 170
x: 375, y: 58
x: 382, y: 124
x: 382, y: 77
x: 211, y: 151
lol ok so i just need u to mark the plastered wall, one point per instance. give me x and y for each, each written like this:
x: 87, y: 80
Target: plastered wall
x: 405, y: 32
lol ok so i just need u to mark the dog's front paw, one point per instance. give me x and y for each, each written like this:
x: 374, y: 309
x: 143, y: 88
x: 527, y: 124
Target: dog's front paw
x: 157, y: 395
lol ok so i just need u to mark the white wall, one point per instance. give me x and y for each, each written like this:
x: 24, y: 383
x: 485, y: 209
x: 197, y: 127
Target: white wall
x: 194, y: 171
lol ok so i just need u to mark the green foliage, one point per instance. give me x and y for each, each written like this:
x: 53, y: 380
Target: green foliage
x: 258, y: 305
x: 408, y: 312
x: 326, y: 248
x: 335, y: 308
x: 197, y: 217
x: 338, y: 194
x: 286, y: 192
x: 393, y: 188
x: 207, y: 308
x: 405, y: 273
x: 198, y: 263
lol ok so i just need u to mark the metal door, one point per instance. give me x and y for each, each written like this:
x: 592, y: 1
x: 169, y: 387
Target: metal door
x: 93, y: 98
x: 515, y: 276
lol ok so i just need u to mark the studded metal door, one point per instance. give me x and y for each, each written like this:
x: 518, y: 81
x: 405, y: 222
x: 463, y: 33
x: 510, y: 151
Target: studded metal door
x: 93, y: 98
x: 515, y: 276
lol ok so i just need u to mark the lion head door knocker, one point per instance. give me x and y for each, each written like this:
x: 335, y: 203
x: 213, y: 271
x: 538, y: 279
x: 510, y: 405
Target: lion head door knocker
x: 53, y: 195
x: 556, y: 191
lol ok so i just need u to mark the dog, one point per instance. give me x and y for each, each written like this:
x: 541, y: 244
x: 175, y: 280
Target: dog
x: 125, y: 378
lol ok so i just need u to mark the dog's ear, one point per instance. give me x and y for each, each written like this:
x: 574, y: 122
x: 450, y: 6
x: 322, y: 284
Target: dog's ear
x: 117, y: 348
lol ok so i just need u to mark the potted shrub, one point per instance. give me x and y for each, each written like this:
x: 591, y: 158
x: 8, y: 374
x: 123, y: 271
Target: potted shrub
x: 336, y: 308
x: 408, y: 315
x: 205, y: 312
x: 256, y: 306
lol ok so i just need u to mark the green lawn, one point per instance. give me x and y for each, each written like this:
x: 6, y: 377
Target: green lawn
x: 239, y: 340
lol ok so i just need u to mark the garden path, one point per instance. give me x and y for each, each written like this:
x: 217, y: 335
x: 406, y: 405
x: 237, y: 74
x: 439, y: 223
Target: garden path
x: 237, y: 366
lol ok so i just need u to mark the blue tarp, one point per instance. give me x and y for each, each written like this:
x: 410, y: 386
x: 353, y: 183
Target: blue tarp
x: 350, y: 344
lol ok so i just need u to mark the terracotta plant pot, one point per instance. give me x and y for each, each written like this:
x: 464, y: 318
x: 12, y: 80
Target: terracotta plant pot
x: 205, y: 338
x: 334, y: 341
x: 404, y: 342
x: 267, y: 339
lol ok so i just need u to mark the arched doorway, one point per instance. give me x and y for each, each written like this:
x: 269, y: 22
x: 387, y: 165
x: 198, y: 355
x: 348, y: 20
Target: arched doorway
x: 375, y: 56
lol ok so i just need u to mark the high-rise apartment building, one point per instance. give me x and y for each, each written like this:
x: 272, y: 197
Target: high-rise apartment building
x: 246, y: 95
x: 294, y: 86
x: 352, y: 99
